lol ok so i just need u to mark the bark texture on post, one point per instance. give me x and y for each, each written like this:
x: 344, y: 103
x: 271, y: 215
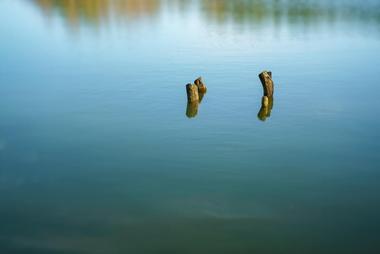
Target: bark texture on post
x: 267, y: 82
x: 192, y: 93
x: 201, y: 86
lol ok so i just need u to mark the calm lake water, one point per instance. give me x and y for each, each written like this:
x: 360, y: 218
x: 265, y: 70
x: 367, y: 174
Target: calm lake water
x: 98, y: 153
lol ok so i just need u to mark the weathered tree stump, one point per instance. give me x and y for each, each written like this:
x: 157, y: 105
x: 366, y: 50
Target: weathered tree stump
x: 192, y: 93
x: 201, y: 86
x: 267, y: 82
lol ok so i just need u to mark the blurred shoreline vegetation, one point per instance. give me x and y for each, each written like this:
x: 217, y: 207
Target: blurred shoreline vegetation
x: 291, y: 11
x: 304, y: 13
x: 98, y: 12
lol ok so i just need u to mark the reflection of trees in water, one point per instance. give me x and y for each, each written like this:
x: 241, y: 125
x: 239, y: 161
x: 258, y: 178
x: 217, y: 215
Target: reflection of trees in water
x: 245, y: 12
x: 303, y: 12
x: 96, y: 12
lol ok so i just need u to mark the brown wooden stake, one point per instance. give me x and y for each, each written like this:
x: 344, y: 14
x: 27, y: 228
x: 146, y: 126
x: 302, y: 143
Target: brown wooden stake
x: 192, y: 93
x: 201, y: 86
x: 267, y: 82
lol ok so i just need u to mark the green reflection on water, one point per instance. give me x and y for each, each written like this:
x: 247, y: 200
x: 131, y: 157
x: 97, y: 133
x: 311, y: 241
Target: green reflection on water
x: 257, y: 13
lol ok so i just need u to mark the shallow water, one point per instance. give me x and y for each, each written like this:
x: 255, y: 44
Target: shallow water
x: 97, y: 154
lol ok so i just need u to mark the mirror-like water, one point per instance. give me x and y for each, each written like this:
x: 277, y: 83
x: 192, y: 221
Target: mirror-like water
x: 100, y: 152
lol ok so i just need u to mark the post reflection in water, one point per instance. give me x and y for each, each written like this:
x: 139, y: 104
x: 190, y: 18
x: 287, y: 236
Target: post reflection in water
x: 192, y: 107
x: 265, y: 110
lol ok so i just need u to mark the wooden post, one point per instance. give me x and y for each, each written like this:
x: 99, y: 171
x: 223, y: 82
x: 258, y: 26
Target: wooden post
x: 267, y: 82
x: 192, y: 93
x: 201, y: 86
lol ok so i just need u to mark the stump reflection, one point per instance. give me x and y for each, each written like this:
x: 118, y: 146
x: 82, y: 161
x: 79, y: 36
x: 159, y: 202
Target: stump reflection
x: 265, y: 110
x: 201, y: 95
x: 192, y: 107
